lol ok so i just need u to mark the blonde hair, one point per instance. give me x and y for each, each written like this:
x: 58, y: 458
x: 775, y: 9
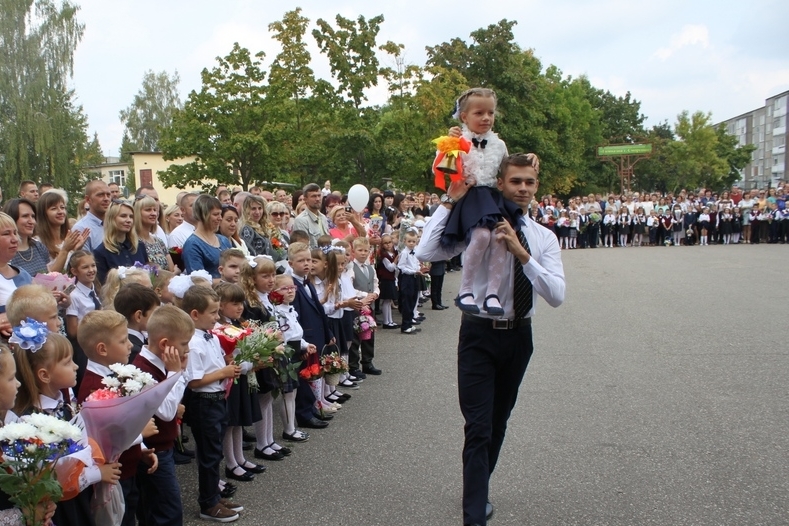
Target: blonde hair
x: 248, y: 275
x: 27, y: 301
x: 55, y: 349
x: 96, y: 327
x: 169, y: 322
x: 295, y: 248
x: 110, y: 230
x: 114, y: 281
x: 463, y: 100
x: 167, y: 213
x: 6, y: 221
x: 141, y: 203
x: 361, y: 242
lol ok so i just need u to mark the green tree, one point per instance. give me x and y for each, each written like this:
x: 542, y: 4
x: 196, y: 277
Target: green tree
x: 42, y: 131
x: 227, y: 125
x: 149, y: 113
x: 736, y: 156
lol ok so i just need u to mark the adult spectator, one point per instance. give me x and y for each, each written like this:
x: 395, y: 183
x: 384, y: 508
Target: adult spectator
x: 311, y: 220
x: 736, y: 194
x: 28, y: 190
x: 256, y: 190
x: 389, y: 197
x: 178, y: 237
x: 280, y: 218
x: 229, y: 228
x: 115, y: 190
x: 120, y: 247
x: 172, y: 218
x: 31, y: 255
x: 203, y: 247
x: 146, y: 223
x: 326, y: 190
x: 11, y: 276
x: 493, y: 353
x: 151, y: 192
x: 53, y: 231
x: 220, y: 188
x: 255, y: 227
x: 97, y: 198
x: 281, y: 196
x: 238, y: 200
x: 224, y: 197
x: 268, y: 196
x: 43, y: 187
x: 345, y: 224
x: 375, y: 206
x: 296, y: 198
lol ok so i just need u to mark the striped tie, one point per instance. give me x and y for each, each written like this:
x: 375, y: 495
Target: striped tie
x: 523, y: 289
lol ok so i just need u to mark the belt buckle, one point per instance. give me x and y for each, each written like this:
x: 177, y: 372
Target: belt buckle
x: 502, y: 324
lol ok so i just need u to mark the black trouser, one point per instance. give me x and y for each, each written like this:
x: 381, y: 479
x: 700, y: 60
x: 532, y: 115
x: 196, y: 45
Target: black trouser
x: 362, y: 352
x: 436, y: 286
x: 208, y: 420
x: 491, y: 365
x: 594, y: 230
x: 409, y: 292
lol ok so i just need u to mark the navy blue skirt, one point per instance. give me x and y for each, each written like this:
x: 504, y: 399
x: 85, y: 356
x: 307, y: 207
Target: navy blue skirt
x: 482, y: 206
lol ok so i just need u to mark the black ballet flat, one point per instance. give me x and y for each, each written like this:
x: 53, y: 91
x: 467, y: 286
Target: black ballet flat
x: 246, y: 477
x: 256, y: 468
x: 493, y: 311
x: 471, y: 309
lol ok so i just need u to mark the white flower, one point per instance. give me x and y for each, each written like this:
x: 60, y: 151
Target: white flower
x: 132, y: 386
x: 111, y: 382
x: 17, y: 431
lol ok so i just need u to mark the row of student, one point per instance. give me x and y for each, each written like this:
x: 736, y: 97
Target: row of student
x: 581, y: 230
x: 244, y: 289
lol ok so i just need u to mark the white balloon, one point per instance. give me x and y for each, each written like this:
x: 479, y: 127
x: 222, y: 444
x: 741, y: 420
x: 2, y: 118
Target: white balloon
x: 358, y: 197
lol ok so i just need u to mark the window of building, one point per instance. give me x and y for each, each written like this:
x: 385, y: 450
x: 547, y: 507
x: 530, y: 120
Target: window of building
x: 117, y: 176
x: 780, y: 102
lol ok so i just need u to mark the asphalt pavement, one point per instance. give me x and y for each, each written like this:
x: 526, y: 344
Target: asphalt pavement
x: 658, y: 394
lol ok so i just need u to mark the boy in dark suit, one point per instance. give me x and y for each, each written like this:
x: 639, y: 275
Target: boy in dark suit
x: 312, y: 318
x: 136, y: 303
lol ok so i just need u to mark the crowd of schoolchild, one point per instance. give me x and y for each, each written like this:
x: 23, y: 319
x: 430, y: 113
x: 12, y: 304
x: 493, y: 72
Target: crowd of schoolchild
x: 689, y: 218
x: 152, y: 292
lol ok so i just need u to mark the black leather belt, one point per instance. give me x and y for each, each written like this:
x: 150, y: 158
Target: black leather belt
x: 498, y: 324
x: 211, y: 396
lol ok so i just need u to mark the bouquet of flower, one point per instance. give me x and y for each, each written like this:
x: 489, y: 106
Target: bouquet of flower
x: 311, y: 373
x: 277, y: 243
x: 448, y: 159
x: 128, y: 381
x: 364, y: 324
x: 229, y: 336
x: 594, y: 217
x: 262, y: 348
x: 176, y: 251
x: 30, y: 449
x: 333, y: 363
x: 53, y: 280
x: 114, y: 419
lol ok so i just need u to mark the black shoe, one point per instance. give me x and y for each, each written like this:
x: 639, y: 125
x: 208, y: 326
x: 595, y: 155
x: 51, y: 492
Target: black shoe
x: 186, y: 452
x: 439, y: 307
x: 184, y: 439
x: 371, y: 369
x: 246, y: 436
x: 228, y: 492
x: 358, y: 374
x: 265, y: 456
x: 314, y: 423
x: 324, y: 417
x: 301, y: 437
x: 181, y: 459
x: 284, y: 451
x: 390, y: 326
x: 256, y: 468
x: 488, y: 510
x: 246, y: 477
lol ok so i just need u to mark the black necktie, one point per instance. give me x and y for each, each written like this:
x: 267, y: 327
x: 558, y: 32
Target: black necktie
x: 412, y: 252
x: 522, y: 292
x: 96, y: 302
x: 479, y: 144
x: 208, y: 336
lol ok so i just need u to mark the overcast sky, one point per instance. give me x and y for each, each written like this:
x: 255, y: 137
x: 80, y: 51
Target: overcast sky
x: 723, y: 57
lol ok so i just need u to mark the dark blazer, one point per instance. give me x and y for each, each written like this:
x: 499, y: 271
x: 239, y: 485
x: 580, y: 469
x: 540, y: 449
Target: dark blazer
x: 312, y: 317
x: 438, y: 268
x: 136, y: 346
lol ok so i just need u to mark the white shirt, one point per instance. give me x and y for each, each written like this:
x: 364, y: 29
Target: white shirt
x: 169, y: 407
x: 178, y: 237
x: 329, y: 306
x: 161, y: 235
x: 288, y: 320
x: 205, y: 357
x: 81, y: 302
x: 408, y: 263
x: 346, y: 286
x: 544, y: 269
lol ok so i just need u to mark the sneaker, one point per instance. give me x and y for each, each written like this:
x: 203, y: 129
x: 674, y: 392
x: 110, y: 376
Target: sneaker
x: 219, y: 513
x: 354, y: 378
x: 410, y: 330
x: 232, y: 506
